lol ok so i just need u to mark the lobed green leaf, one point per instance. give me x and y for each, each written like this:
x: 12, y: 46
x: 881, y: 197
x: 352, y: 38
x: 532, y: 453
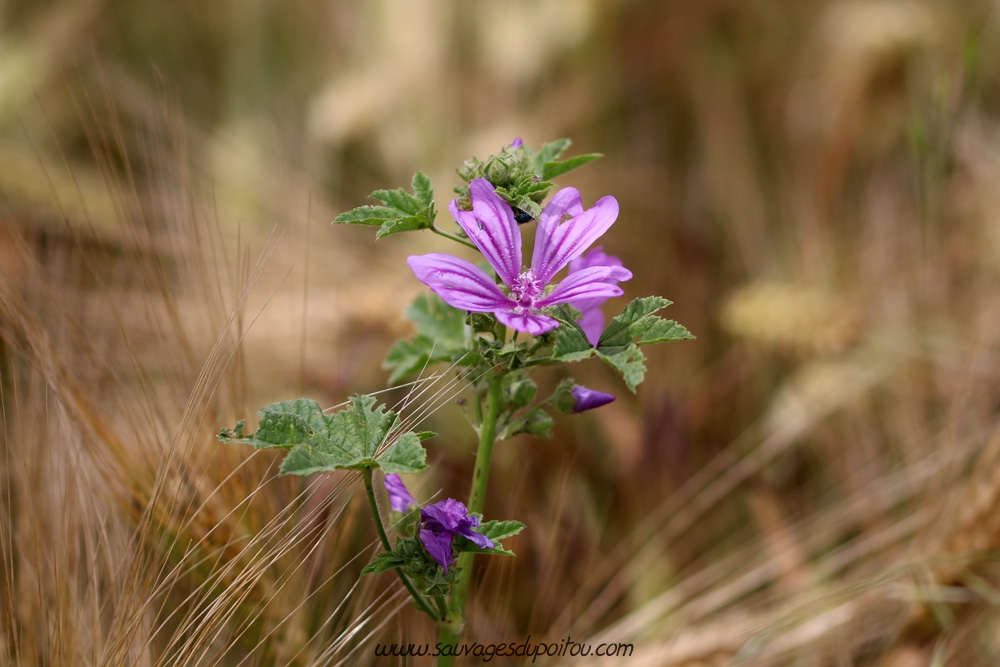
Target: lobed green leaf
x: 629, y: 361
x: 400, y: 212
x: 352, y: 438
x: 422, y: 189
x: 368, y: 215
x: 638, y: 324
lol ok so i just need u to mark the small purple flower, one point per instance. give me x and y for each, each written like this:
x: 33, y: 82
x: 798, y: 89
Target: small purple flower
x: 588, y: 399
x: 517, y: 143
x: 592, y: 320
x: 442, y: 521
x: 400, y: 499
x: 491, y: 226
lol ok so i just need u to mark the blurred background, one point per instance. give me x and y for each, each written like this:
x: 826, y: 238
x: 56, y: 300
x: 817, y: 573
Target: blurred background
x: 815, y: 184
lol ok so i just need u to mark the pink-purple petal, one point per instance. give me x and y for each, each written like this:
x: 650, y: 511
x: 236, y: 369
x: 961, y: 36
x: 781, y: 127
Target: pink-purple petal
x: 595, y: 257
x: 447, y: 514
x: 491, y: 226
x: 400, y: 499
x: 478, y: 539
x: 531, y: 323
x: 438, y: 545
x: 570, y: 239
x: 588, y: 399
x: 565, y: 202
x: 593, y: 283
x: 459, y: 283
x: 591, y: 320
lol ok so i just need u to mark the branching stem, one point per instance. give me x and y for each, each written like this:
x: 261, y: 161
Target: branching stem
x: 417, y: 597
x: 451, y: 627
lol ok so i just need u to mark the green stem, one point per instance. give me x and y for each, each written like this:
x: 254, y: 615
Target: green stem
x: 453, y: 237
x: 451, y: 627
x: 417, y: 597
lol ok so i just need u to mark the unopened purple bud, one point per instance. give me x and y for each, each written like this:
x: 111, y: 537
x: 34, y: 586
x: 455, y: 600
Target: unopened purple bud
x: 400, y: 499
x: 517, y: 143
x: 588, y: 399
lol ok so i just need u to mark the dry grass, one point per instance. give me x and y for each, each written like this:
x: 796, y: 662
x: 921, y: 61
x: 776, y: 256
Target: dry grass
x: 812, y: 482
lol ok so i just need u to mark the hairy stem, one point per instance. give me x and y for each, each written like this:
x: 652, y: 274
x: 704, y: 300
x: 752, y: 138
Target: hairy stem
x: 417, y: 597
x: 451, y: 627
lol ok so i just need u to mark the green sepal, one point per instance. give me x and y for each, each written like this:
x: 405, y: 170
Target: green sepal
x: 400, y: 212
x: 520, y: 391
x: 538, y: 423
x: 526, y: 193
x: 563, y: 399
x: 386, y: 560
x: 521, y: 177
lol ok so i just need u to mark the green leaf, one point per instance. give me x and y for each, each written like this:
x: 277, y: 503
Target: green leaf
x: 441, y: 336
x: 436, y: 320
x: 410, y: 356
x: 282, y: 425
x: 359, y: 437
x: 499, y: 530
x: 398, y: 199
x: 402, y: 211
x: 571, y: 342
x: 424, y: 219
x: 553, y: 169
x: 619, y: 343
x: 404, y: 455
x: 422, y: 189
x: 629, y: 361
x: 550, y: 152
x: 355, y: 435
x: 368, y: 215
x: 386, y: 560
x: 638, y: 324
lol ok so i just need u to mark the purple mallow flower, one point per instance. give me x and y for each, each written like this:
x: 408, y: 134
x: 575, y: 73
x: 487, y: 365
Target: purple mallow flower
x: 592, y: 320
x: 491, y: 226
x: 442, y: 521
x: 588, y: 399
x: 400, y: 499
